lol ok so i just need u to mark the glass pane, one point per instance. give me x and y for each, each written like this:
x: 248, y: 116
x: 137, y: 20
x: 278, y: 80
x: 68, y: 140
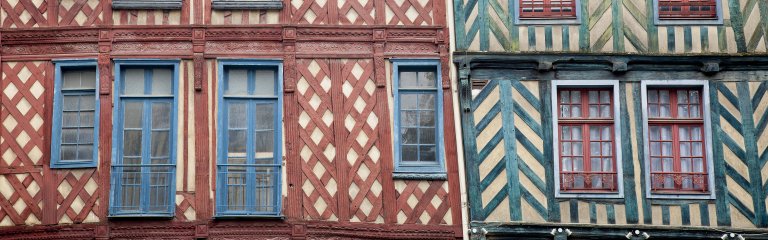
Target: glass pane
x: 427, y: 135
x: 606, y: 133
x: 694, y: 96
x: 71, y: 79
x: 426, y: 101
x: 409, y: 118
x: 666, y: 133
x: 655, y: 149
x: 656, y: 164
x: 578, y: 164
x: 682, y: 111
x: 594, y: 148
x: 593, y: 97
x: 695, y: 111
x: 685, y: 165
x: 575, y: 111
x: 87, y: 102
x: 237, y: 117
x: 696, y: 149
x: 667, y: 164
x: 594, y: 133
x: 696, y: 133
x: 69, y: 135
x: 161, y: 115
x: 161, y: 82
x: 605, y: 111
x: 698, y: 165
x: 566, y: 133
x: 70, y: 103
x: 410, y: 153
x: 85, y: 135
x: 664, y: 96
x: 70, y: 119
x: 85, y: 152
x: 578, y: 149
x: 607, y: 164
x: 426, y: 118
x: 265, y: 82
x: 133, y: 114
x: 575, y: 97
x: 86, y: 119
x: 68, y: 152
x: 237, y: 142
x: 567, y: 164
x: 427, y: 79
x: 605, y: 97
x: 594, y: 110
x: 682, y: 96
x: 595, y: 164
x: 408, y: 79
x: 684, y: 134
x: 576, y: 133
x: 237, y: 82
x: 565, y: 97
x: 132, y: 143
x: 565, y: 111
x: 566, y: 149
x: 653, y: 110
x: 653, y: 96
x: 134, y: 82
x: 607, y: 149
x: 264, y: 141
x: 264, y: 116
x: 410, y: 135
x: 408, y: 101
x: 88, y: 79
x: 427, y: 153
x: 666, y: 149
x: 685, y: 149
x: 160, y: 143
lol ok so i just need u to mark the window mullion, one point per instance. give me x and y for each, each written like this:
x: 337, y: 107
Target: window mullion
x: 250, y: 156
x: 145, y: 151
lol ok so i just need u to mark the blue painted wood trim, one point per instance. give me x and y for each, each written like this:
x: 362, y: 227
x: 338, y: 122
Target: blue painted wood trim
x: 58, y: 114
x: 470, y: 144
x: 671, y: 39
x: 548, y: 38
x: 222, y: 135
x: 750, y: 141
x: 630, y: 199
x: 592, y: 213
x: 482, y: 17
x: 117, y: 132
x: 611, y: 213
x: 510, y: 148
x: 459, y: 25
x: 653, y: 32
x: 638, y: 108
x: 737, y: 24
x: 566, y: 39
x: 721, y: 190
x: 574, y: 208
x: 439, y: 167
x: 546, y: 136
x: 665, y: 214
x: 584, y: 27
x: 617, y: 25
x: 685, y: 214
x: 704, y: 213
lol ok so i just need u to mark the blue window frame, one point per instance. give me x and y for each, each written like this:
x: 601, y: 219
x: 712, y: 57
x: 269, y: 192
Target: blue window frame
x: 418, y: 117
x: 76, y: 114
x: 144, y: 136
x: 249, y: 149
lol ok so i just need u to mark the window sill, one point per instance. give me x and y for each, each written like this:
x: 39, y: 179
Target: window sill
x: 569, y: 21
x: 602, y: 195
x: 246, y: 4
x: 698, y: 22
x: 89, y: 164
x: 139, y: 215
x: 147, y: 4
x: 419, y: 176
x: 683, y: 196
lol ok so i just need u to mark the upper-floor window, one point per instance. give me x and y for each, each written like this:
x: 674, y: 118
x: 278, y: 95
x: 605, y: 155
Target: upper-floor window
x: 586, y: 136
x: 688, y: 11
x: 147, y: 4
x: 418, y: 117
x: 249, y: 161
x: 75, y: 121
x: 677, y: 145
x: 547, y: 9
x: 143, y: 172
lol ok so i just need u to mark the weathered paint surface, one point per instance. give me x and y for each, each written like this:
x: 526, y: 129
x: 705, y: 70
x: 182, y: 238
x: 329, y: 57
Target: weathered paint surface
x: 618, y: 26
x: 510, y: 174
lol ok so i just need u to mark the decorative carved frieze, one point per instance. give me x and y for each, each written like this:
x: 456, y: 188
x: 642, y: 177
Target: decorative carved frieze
x: 152, y: 48
x: 49, y: 48
x: 411, y: 48
x: 334, y: 47
x: 154, y: 34
x: 242, y: 47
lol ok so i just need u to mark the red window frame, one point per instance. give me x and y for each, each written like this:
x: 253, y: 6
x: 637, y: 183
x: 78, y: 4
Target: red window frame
x: 687, y: 9
x: 547, y: 9
x: 573, y: 180
x: 681, y: 153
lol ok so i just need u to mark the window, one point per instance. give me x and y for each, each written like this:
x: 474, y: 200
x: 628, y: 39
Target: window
x: 247, y: 4
x: 147, y: 4
x: 76, y: 115
x: 418, y: 116
x: 547, y: 11
x: 143, y: 172
x: 586, y: 135
x: 677, y: 152
x: 249, y: 140
x: 688, y: 12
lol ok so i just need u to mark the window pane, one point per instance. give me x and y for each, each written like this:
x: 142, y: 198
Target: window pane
x: 426, y: 118
x: 427, y: 136
x: 410, y: 153
x: 161, y: 82
x: 410, y: 135
x: 133, y: 114
x: 160, y: 143
x: 85, y: 135
x: 237, y: 82
x: 69, y: 135
x: 68, y: 152
x: 264, y: 144
x: 408, y: 101
x: 86, y: 119
x: 408, y: 79
x: 264, y: 116
x: 134, y: 82
x: 71, y: 79
x: 567, y: 164
x: 70, y: 103
x: 88, y: 79
x: 409, y: 118
x: 565, y: 97
x: 87, y: 102
x: 237, y: 117
x: 653, y: 96
x: 132, y: 143
x: 427, y: 153
x: 427, y: 79
x: 161, y: 115
x: 578, y: 164
x: 426, y: 101
x: 593, y: 97
x: 605, y: 97
x: 265, y: 82
x: 85, y: 152
x: 237, y: 142
x: 70, y: 119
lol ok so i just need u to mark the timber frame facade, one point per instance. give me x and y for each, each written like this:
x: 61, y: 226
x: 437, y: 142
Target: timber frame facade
x: 336, y: 89
x: 513, y: 76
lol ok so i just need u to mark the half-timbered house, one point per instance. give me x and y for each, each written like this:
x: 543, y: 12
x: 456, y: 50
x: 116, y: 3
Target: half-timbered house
x: 270, y: 119
x: 610, y: 119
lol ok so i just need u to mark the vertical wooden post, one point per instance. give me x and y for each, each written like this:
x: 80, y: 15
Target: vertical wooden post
x: 385, y: 130
x: 49, y: 187
x: 202, y: 170
x: 452, y: 165
x: 340, y: 137
x: 105, y: 121
x: 292, y: 162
